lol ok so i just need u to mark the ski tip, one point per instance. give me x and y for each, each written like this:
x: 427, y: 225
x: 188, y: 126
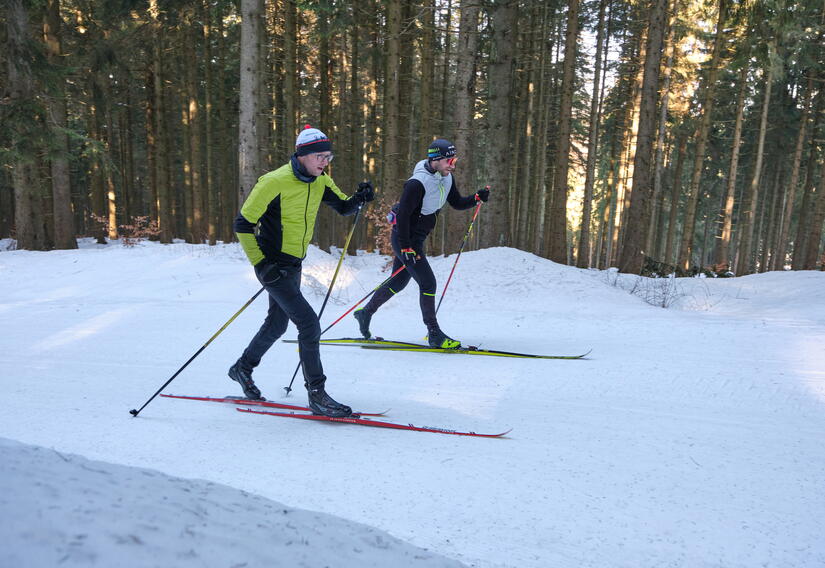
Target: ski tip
x: 500, y: 435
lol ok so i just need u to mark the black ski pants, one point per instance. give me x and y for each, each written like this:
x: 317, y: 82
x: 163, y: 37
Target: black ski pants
x: 286, y: 303
x: 421, y: 272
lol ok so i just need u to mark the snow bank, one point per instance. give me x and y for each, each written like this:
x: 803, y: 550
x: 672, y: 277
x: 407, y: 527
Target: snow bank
x: 62, y: 509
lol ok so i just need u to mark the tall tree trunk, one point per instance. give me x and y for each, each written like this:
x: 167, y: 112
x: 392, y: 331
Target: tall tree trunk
x: 28, y: 219
x: 815, y: 228
x: 795, y: 167
x: 6, y: 205
x: 555, y: 244
x: 524, y: 117
x: 406, y: 55
x: 772, y: 220
x: 611, y: 197
x: 263, y: 129
x: 630, y: 140
x: 277, y: 71
x: 532, y: 205
x: 325, y: 71
x: 461, y: 131
x: 111, y: 189
x: 195, y: 131
x: 464, y: 90
x: 248, y: 154
x: 676, y: 191
x: 631, y: 259
x: 96, y: 173
x: 64, y: 232
x: 227, y: 163
x: 355, y: 116
x: 211, y: 188
x: 133, y: 189
x: 751, y: 201
x: 326, y: 229
x: 495, y: 231
x: 724, y: 246
x: 809, y: 194
x: 446, y: 98
x: 392, y: 143
x: 583, y: 257
x: 653, y: 235
x: 375, y: 230
x: 151, y: 141
x: 184, y: 192
x: 291, y: 73
x: 165, y: 218
x: 686, y: 248
x: 426, y: 119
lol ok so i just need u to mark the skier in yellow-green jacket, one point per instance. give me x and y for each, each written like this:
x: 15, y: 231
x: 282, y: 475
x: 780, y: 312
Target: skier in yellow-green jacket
x: 274, y: 227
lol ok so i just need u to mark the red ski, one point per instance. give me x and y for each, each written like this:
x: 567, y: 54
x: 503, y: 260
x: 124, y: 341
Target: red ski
x: 264, y: 403
x: 372, y: 423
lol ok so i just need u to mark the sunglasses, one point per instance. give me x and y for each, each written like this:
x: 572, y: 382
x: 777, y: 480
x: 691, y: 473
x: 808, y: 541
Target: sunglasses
x: 452, y: 161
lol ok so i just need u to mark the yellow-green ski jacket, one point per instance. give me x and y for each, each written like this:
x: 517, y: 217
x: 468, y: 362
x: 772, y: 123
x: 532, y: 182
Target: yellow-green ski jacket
x: 277, y: 220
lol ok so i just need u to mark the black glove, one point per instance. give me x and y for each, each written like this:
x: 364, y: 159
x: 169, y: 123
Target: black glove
x: 269, y: 273
x: 365, y: 192
x: 408, y: 256
x: 483, y: 194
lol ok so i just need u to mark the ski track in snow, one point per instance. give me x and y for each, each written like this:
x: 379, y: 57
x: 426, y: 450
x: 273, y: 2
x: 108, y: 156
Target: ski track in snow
x: 690, y: 436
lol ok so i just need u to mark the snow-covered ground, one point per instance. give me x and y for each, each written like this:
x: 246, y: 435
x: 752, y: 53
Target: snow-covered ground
x: 690, y: 436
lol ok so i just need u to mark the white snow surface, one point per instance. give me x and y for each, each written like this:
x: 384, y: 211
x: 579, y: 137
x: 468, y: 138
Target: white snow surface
x: 690, y: 436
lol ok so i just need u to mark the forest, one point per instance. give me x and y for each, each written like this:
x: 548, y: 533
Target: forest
x: 656, y: 136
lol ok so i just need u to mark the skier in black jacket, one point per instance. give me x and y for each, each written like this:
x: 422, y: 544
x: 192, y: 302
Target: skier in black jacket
x: 424, y: 194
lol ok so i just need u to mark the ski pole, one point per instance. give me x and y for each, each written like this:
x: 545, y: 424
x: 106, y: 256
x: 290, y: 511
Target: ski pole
x: 134, y: 412
x: 358, y: 303
x: 461, y: 248
x: 331, y: 284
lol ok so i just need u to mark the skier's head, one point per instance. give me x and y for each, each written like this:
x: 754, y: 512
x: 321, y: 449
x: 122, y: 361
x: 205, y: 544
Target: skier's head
x: 441, y: 156
x: 314, y: 150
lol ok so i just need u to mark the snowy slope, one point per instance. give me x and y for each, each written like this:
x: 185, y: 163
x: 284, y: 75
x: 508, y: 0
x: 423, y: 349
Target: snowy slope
x: 66, y: 510
x: 691, y: 436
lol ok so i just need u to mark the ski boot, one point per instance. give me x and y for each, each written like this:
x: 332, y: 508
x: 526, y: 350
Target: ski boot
x: 243, y: 376
x: 439, y: 340
x: 363, y: 318
x: 321, y: 403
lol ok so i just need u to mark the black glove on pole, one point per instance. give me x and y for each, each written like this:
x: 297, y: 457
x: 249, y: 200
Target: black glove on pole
x: 334, y: 277
x: 365, y: 192
x: 480, y: 198
x: 408, y: 256
x: 134, y: 412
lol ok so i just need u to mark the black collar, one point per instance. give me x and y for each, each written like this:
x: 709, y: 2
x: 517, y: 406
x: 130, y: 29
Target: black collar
x: 299, y: 171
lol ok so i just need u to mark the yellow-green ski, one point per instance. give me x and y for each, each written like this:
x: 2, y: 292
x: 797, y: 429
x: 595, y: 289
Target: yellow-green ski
x: 387, y: 345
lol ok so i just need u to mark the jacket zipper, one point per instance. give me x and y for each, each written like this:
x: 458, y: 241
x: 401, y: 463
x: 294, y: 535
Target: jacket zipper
x: 306, y: 224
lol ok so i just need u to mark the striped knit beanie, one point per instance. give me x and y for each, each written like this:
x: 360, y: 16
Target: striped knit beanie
x: 311, y: 140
